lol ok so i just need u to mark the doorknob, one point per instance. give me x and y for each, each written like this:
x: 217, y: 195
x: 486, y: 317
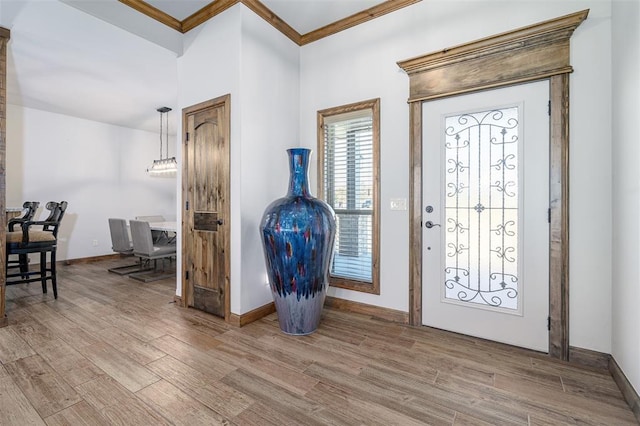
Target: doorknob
x: 219, y: 221
x: 428, y: 224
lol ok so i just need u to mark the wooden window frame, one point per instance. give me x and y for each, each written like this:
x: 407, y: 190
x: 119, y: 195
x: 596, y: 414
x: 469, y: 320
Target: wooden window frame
x: 374, y: 105
x: 532, y: 53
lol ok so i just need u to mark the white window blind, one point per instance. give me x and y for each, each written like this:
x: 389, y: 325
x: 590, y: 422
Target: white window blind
x: 348, y: 188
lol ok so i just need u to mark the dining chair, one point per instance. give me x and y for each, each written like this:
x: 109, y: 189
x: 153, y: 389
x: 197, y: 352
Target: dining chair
x: 29, y: 209
x: 36, y: 237
x: 121, y: 243
x: 144, y: 248
x: 159, y: 237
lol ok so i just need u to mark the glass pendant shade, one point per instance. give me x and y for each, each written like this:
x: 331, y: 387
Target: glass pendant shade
x: 164, y: 167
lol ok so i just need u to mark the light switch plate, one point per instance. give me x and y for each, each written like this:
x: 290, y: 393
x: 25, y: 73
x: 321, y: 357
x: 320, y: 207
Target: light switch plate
x: 398, y: 204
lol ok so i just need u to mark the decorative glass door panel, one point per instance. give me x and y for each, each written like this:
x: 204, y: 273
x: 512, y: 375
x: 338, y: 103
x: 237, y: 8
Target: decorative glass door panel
x: 481, y: 207
x: 485, y: 197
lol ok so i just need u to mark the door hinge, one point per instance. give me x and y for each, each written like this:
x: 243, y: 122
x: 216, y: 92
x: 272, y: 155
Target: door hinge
x: 187, y: 138
x: 549, y: 215
x: 549, y: 108
x: 186, y: 275
x: 186, y: 206
x: 549, y: 323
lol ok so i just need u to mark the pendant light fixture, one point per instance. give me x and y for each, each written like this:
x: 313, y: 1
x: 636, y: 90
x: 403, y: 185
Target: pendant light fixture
x: 164, y: 166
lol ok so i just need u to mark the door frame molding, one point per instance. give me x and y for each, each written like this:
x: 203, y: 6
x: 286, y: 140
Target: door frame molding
x: 224, y: 101
x: 536, y: 52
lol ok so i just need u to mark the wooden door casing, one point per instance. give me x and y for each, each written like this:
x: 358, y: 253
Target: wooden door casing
x: 205, y: 207
x: 4, y: 39
x: 536, y: 52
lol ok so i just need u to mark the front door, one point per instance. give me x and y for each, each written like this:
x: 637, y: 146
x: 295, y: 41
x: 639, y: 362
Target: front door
x: 205, y: 215
x: 485, y: 214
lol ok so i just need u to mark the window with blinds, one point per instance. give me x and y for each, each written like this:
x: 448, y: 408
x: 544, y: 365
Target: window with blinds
x: 349, y: 146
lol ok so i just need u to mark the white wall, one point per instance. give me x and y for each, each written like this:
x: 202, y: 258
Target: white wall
x: 209, y: 68
x: 69, y: 62
x: 270, y: 94
x: 99, y: 169
x: 360, y: 63
x: 626, y: 189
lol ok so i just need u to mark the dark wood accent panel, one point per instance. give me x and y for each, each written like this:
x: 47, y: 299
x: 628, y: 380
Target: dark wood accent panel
x: 370, y: 310
x: 530, y: 53
x: 265, y: 13
x: 535, y: 52
x: 205, y: 221
x: 154, y: 13
x: 206, y: 13
x: 207, y: 299
x: 4, y: 39
x: 629, y: 393
x: 125, y: 354
x: 355, y: 19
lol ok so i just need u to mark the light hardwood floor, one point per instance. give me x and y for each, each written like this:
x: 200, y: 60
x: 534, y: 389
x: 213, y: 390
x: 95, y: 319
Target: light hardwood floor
x: 112, y: 350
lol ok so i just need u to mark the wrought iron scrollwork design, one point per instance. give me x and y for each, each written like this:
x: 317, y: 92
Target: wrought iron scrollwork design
x: 481, y: 195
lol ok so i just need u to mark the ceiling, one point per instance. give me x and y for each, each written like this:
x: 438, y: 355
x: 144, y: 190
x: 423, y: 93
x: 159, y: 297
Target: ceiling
x: 62, y: 61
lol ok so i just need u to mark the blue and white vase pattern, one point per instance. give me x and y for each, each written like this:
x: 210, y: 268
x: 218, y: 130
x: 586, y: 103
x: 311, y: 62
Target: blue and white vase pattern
x: 298, y: 233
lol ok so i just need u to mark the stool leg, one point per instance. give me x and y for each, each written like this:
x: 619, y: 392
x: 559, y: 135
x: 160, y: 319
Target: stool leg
x: 54, y: 283
x: 43, y: 270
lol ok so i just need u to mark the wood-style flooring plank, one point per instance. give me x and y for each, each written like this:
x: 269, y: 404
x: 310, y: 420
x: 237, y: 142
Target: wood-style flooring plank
x: 12, y: 346
x: 16, y: 408
x: 61, y: 327
x: 298, y: 409
x: 43, y: 387
x: 218, y: 396
x: 74, y: 368
x: 358, y: 407
x: 587, y: 410
x: 80, y: 414
x: 293, y: 380
x: 139, y: 351
x: 178, y: 407
x: 125, y: 370
x: 118, y: 405
x: 195, y: 358
x: 394, y: 400
x: 33, y: 333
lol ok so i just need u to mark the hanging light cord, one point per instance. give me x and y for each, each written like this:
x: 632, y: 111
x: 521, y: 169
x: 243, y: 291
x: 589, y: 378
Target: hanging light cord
x: 167, y: 133
x: 161, y: 138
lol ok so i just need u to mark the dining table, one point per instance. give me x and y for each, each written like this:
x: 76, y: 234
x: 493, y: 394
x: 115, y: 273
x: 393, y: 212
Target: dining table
x: 12, y: 212
x: 167, y: 226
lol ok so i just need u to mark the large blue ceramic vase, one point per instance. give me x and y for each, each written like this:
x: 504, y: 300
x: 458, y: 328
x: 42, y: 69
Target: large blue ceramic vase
x: 298, y: 233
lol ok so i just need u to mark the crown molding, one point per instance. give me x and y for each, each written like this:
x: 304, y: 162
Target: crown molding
x: 154, y: 13
x: 218, y: 6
